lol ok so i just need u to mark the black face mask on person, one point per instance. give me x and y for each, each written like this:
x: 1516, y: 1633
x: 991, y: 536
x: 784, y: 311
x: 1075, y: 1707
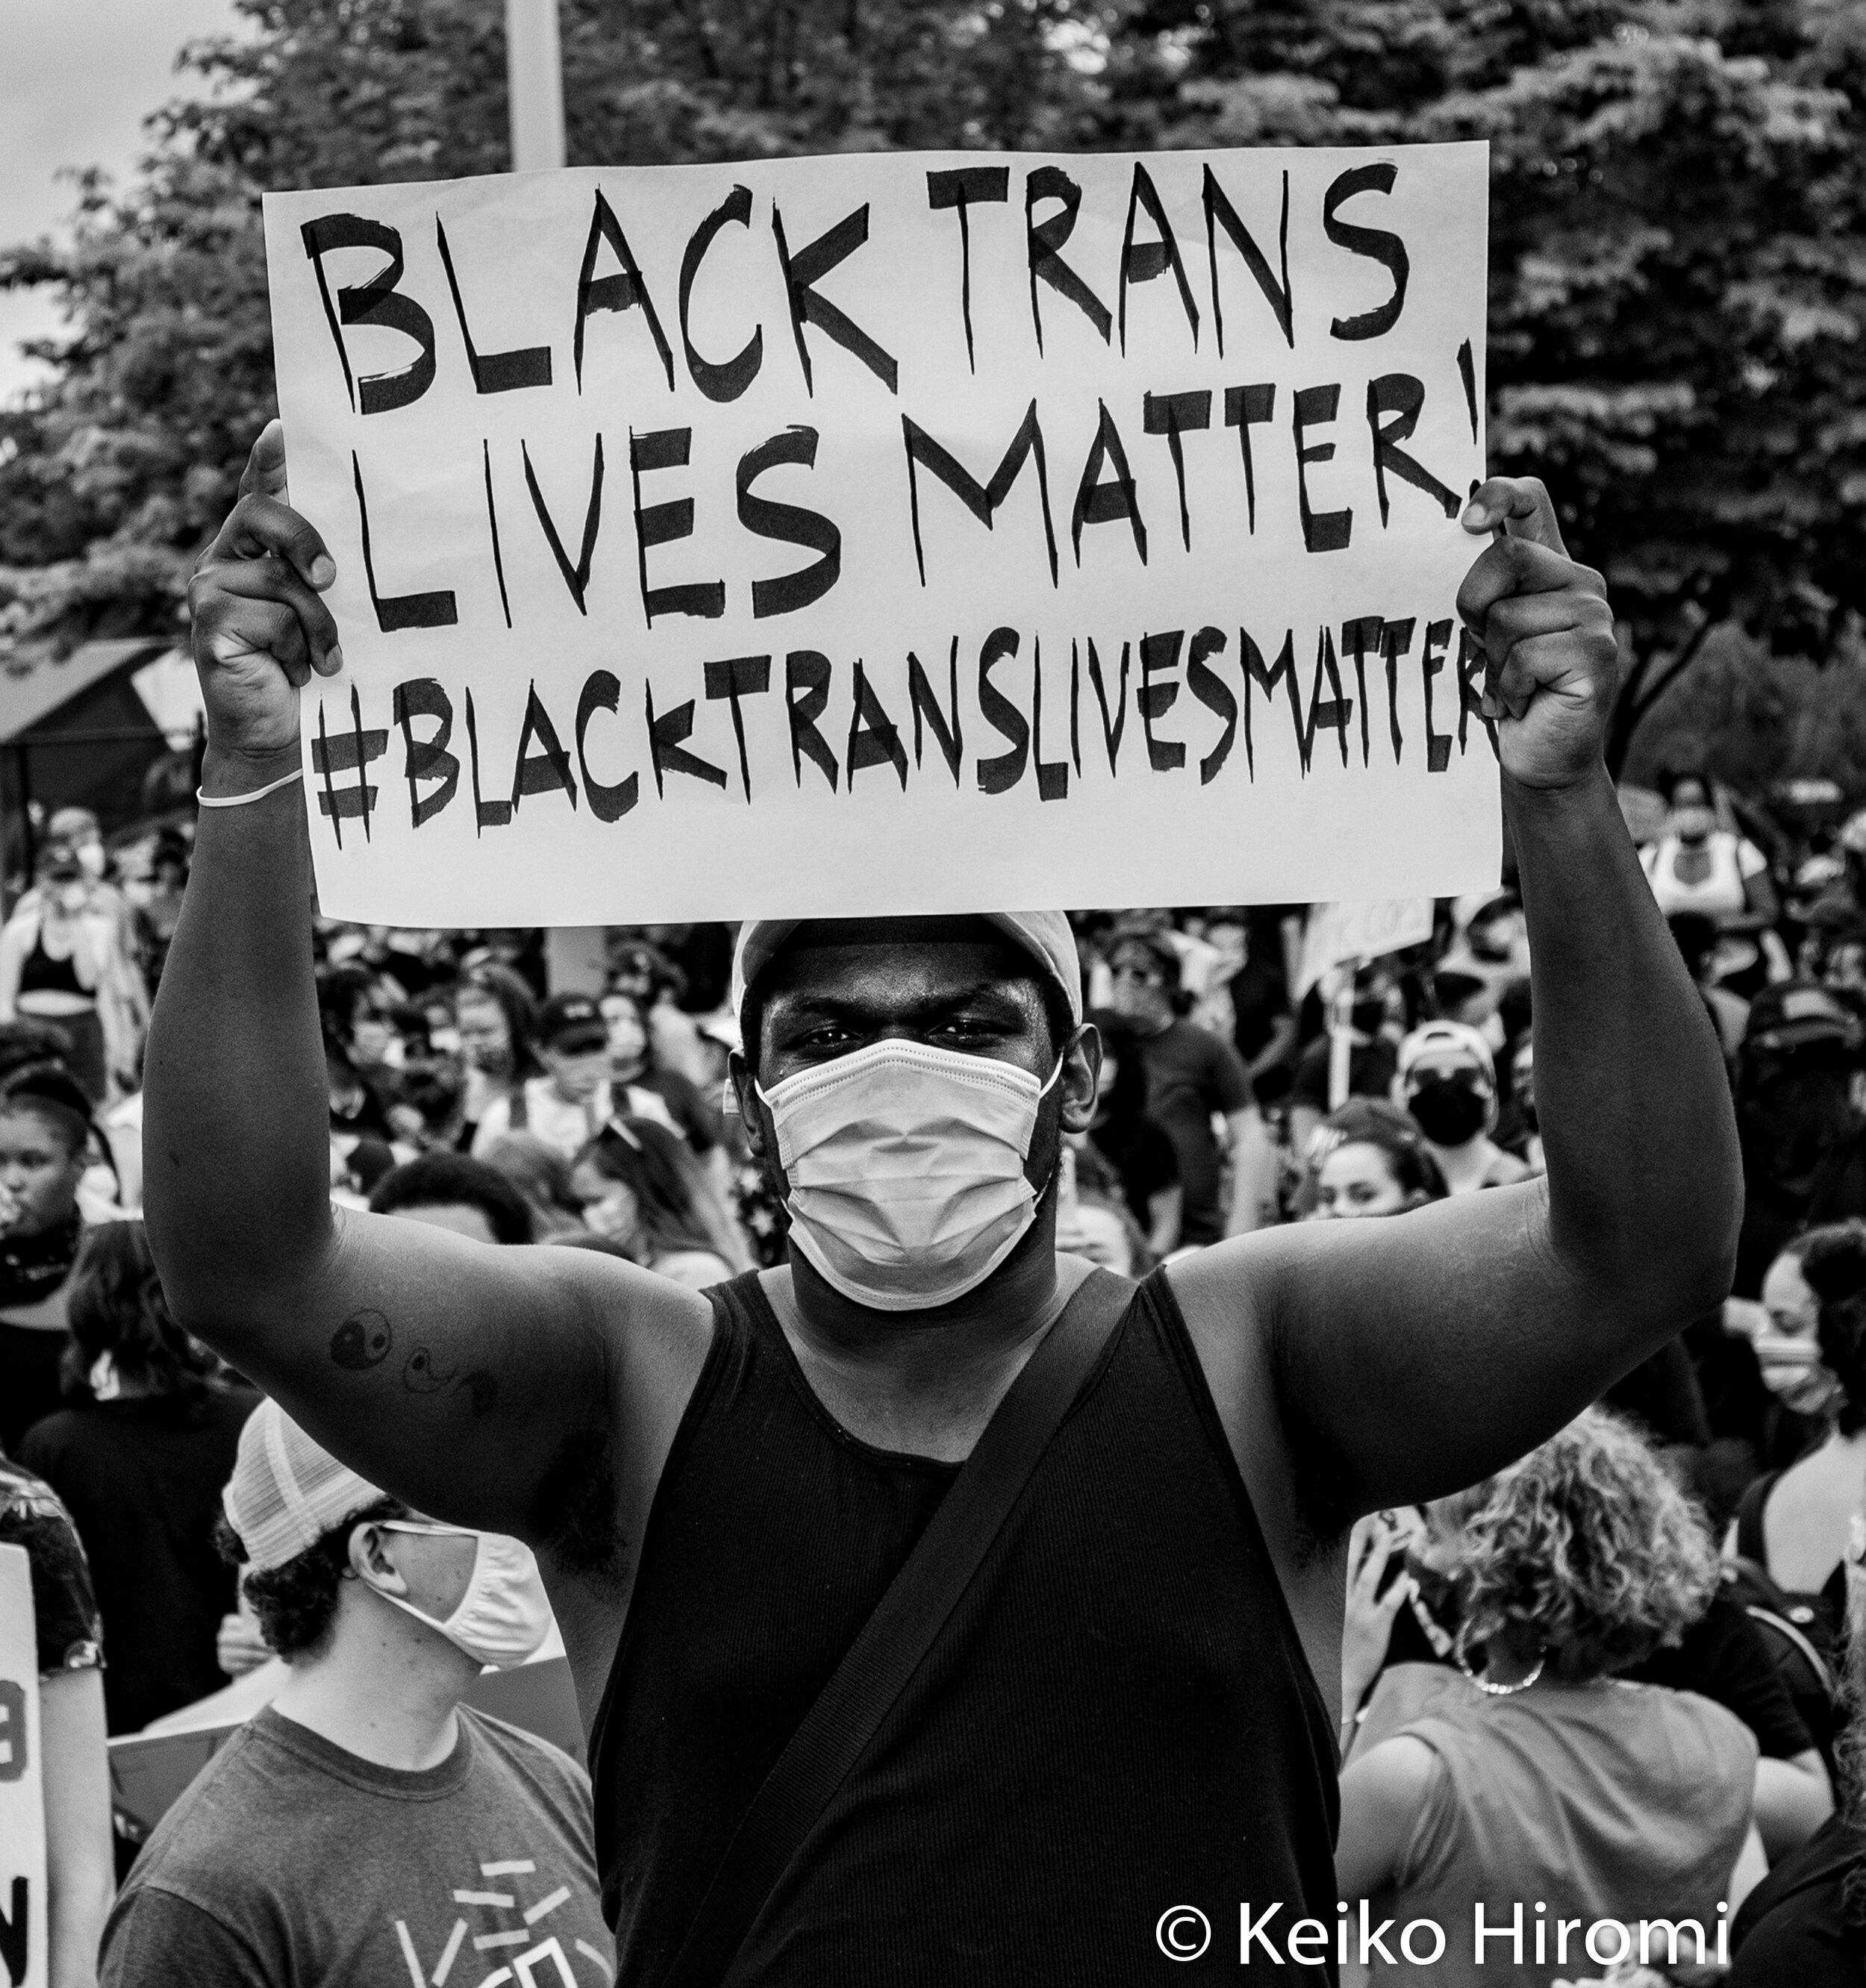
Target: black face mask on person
x: 1448, y: 1109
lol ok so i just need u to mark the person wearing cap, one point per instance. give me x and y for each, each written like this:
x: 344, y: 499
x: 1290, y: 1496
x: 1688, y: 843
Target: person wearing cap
x: 572, y: 1101
x: 1192, y: 1077
x: 1446, y: 1080
x: 1135, y: 1701
x: 1803, y: 1140
x: 367, y: 1827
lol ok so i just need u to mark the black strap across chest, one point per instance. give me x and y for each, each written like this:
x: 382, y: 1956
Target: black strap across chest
x: 893, y: 1642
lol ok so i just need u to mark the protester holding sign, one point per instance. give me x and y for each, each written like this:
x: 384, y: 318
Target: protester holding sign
x: 1085, y: 518
x: 1278, y: 1383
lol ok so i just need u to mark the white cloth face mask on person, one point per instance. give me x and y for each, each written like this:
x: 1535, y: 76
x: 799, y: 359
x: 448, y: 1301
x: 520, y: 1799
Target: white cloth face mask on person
x: 906, y: 1166
x: 505, y: 1615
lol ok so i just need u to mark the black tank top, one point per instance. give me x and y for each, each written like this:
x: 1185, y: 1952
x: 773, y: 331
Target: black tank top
x: 1117, y: 1718
x: 40, y: 973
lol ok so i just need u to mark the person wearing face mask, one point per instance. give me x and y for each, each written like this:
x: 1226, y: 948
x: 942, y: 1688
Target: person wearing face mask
x: 367, y: 1827
x: 124, y: 998
x: 642, y: 1089
x: 573, y: 1099
x: 1447, y: 1083
x: 640, y: 1188
x: 1192, y: 1077
x: 1375, y: 1021
x: 55, y: 959
x: 495, y: 1020
x: 1793, y: 1523
x: 1804, y: 1141
x: 1778, y: 1329
x: 1695, y: 865
x: 1133, y: 1699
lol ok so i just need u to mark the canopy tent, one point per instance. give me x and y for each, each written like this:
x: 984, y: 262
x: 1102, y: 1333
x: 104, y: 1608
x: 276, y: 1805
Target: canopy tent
x: 112, y: 727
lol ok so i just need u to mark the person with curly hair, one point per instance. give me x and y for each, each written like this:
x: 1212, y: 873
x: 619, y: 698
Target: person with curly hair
x: 455, y: 1835
x: 1532, y: 1771
x: 139, y: 1454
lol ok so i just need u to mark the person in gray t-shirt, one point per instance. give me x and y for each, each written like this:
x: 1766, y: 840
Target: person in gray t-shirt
x: 367, y: 1828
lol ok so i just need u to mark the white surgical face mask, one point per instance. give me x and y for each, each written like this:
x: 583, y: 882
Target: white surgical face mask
x: 504, y: 1616
x: 906, y: 1166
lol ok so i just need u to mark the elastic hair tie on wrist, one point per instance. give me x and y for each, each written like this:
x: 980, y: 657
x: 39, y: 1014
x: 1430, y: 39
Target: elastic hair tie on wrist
x: 258, y: 794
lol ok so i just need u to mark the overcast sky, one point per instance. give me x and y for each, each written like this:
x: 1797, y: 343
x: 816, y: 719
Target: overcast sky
x: 77, y: 79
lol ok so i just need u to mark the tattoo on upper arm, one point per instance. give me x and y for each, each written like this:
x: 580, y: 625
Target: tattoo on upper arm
x: 362, y: 1341
x: 419, y: 1374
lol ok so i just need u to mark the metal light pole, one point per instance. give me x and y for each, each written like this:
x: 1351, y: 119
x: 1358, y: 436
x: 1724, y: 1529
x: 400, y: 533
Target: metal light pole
x: 534, y: 72
x: 573, y: 954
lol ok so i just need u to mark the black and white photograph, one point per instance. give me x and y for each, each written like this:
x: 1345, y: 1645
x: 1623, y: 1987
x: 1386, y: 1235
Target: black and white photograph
x: 932, y: 993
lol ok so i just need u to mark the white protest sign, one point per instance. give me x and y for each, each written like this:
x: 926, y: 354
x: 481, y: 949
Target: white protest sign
x: 897, y: 532
x: 1338, y: 932
x: 22, y: 1802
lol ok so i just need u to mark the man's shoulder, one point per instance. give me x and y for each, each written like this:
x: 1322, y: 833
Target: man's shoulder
x: 526, y: 1752
x: 515, y: 1768
x: 237, y: 1798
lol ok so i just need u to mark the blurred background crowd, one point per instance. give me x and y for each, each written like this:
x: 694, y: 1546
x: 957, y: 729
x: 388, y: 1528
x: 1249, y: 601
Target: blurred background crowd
x: 1241, y: 1088
x: 1631, y: 1652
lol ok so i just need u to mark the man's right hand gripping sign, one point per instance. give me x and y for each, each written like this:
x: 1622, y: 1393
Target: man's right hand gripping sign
x: 1135, y: 1705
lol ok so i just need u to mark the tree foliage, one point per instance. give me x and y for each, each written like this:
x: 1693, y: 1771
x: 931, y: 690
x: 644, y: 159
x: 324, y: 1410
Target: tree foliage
x: 1678, y: 275
x: 113, y: 478
x: 1677, y: 270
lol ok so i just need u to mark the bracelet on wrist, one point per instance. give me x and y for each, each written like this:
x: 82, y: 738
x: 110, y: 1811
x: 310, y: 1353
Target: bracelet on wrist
x: 256, y: 794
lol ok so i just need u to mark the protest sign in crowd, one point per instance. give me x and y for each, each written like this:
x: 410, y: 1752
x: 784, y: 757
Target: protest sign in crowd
x: 1021, y: 1445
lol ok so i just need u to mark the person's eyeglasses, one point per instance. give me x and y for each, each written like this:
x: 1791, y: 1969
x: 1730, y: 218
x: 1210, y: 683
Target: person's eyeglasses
x: 1144, y: 976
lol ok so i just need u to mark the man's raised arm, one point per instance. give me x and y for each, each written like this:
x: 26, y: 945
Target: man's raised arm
x: 475, y: 1382
x: 1412, y: 1356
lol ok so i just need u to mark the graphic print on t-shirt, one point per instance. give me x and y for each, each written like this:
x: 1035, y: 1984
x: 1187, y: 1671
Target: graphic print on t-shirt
x: 502, y: 1922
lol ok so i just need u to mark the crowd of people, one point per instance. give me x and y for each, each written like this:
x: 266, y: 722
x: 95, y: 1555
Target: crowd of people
x: 1669, y: 1573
